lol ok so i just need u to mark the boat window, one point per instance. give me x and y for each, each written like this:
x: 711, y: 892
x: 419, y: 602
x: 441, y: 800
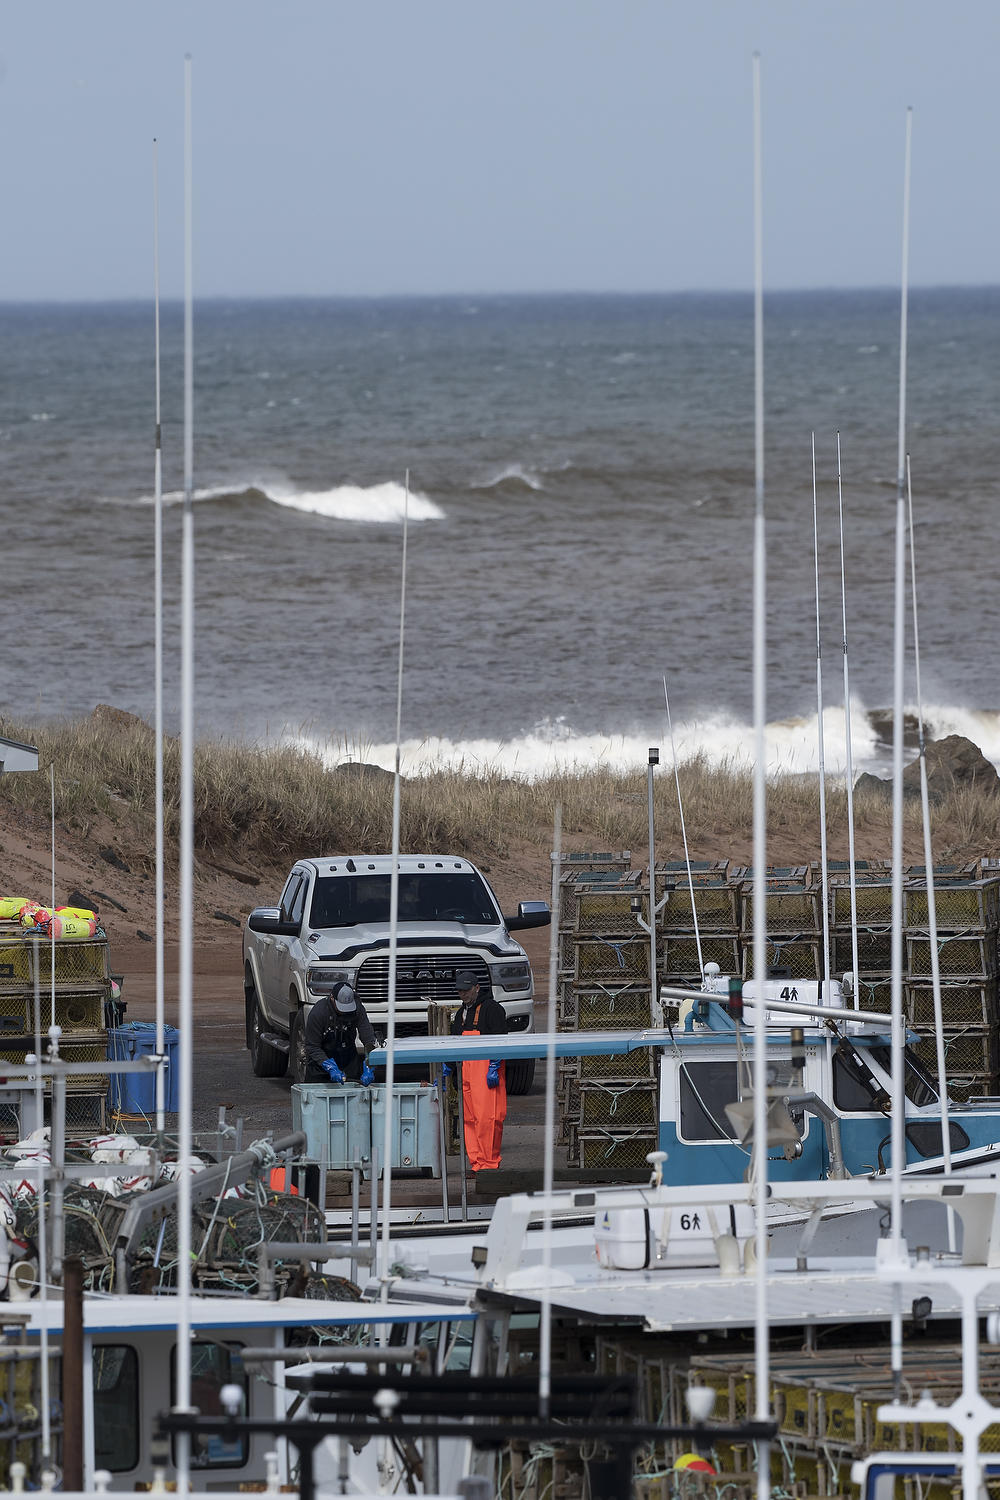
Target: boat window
x: 212, y: 1367
x: 115, y: 1375
x: 925, y: 1136
x: 705, y: 1090
x: 854, y: 1088
x: 346, y: 900
x: 918, y: 1086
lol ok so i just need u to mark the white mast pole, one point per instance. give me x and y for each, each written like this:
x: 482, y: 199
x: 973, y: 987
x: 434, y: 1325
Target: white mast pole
x: 929, y: 866
x: 187, y: 830
x: 850, y: 748
x: 898, y: 1134
x: 821, y: 745
x: 545, y: 1328
x: 390, y: 1042
x: 684, y: 837
x: 43, y: 1258
x: 762, y: 1372
x: 158, y: 655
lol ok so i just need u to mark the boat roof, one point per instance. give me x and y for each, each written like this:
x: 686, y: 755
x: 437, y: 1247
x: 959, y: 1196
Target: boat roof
x: 128, y: 1314
x: 664, y: 1302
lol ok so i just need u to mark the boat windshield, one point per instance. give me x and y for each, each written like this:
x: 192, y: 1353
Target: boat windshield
x: 856, y: 1089
x: 917, y: 1084
x: 347, y: 900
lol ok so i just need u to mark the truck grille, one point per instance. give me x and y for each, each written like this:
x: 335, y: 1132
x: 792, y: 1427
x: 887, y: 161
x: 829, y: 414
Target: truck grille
x: 431, y: 976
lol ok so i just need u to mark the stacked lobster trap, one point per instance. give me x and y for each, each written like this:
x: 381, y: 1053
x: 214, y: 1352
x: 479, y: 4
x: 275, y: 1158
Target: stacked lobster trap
x: 81, y: 1001
x: 873, y: 902
x: 967, y: 906
x: 700, y: 921
x: 794, y: 911
x: 608, y: 1105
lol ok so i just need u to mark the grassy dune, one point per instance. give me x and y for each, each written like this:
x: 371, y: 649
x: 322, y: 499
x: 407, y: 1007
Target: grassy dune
x: 269, y: 804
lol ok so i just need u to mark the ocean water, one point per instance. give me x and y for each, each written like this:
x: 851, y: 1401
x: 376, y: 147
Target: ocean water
x: 581, y: 509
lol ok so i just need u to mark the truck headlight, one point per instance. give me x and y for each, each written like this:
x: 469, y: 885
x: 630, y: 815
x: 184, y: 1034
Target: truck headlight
x: 512, y: 976
x: 324, y: 981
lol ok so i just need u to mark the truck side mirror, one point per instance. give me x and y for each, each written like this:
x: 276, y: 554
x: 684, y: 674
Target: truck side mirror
x: 529, y: 914
x: 268, y: 919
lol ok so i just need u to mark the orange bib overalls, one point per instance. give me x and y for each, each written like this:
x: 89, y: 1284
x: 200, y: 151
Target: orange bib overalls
x: 485, y: 1110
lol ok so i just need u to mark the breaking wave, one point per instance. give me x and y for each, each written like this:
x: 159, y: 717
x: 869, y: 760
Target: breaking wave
x: 553, y: 746
x: 377, y: 503
x: 513, y: 474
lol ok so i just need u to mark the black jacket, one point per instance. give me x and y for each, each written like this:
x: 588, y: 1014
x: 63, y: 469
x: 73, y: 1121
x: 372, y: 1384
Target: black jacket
x: 329, y: 1033
x: 484, y: 1015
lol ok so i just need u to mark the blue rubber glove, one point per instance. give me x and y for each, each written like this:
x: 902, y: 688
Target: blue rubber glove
x: 493, y: 1076
x: 332, y: 1071
x: 446, y: 1071
x: 367, y: 1074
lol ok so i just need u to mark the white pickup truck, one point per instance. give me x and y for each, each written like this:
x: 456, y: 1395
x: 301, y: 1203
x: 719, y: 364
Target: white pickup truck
x: 332, y: 924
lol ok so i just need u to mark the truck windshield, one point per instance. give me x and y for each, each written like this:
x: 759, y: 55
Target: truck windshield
x: 350, y: 900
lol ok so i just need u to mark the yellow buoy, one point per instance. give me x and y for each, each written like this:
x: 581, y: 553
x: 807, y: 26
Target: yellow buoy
x: 12, y: 906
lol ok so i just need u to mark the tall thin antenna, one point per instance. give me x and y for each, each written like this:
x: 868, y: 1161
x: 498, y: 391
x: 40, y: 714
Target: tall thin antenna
x: 52, y: 925
x: 929, y: 867
x: 684, y: 837
x: 899, y: 660
x: 43, y: 1258
x: 187, y: 828
x: 390, y: 1041
x: 158, y: 655
x: 762, y: 1352
x: 545, y: 1326
x: 821, y: 746
x: 850, y: 747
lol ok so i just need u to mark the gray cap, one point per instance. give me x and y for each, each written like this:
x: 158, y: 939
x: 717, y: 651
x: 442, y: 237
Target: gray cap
x: 465, y: 979
x: 344, y: 1000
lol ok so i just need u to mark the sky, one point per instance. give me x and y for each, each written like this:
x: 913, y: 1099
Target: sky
x: 386, y: 147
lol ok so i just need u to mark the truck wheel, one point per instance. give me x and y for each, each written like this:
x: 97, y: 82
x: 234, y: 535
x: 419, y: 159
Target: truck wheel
x: 520, y: 1076
x: 297, y: 1048
x: 266, y: 1061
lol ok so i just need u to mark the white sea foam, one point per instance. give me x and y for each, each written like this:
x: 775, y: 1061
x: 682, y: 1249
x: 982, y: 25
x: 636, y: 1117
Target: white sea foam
x: 351, y: 502
x: 378, y: 503
x: 553, y: 746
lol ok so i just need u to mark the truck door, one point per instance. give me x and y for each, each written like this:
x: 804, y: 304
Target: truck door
x: 274, y: 950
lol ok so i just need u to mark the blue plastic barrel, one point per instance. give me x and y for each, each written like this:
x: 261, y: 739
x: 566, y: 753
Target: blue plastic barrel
x: 135, y: 1093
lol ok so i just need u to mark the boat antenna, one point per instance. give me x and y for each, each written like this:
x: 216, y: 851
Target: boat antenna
x: 762, y: 1361
x: 821, y: 746
x: 545, y: 1327
x: 898, y: 1137
x: 390, y: 1041
x: 850, y: 748
x: 684, y: 837
x: 43, y: 1259
x: 929, y: 867
x: 158, y: 656
x: 52, y: 925
x: 186, y: 832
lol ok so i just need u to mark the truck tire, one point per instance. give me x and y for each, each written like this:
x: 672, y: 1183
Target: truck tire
x: 520, y: 1076
x: 297, y: 1048
x: 266, y: 1061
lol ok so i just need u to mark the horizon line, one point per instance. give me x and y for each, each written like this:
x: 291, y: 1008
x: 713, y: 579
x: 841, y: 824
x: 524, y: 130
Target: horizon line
x: 137, y: 299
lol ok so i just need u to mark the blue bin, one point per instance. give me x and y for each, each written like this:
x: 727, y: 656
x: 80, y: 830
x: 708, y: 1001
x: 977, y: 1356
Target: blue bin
x: 135, y: 1093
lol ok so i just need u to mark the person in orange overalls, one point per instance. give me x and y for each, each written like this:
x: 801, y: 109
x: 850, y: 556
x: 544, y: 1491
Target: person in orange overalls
x: 484, y: 1085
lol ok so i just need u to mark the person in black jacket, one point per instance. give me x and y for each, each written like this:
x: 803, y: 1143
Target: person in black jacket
x: 484, y: 1084
x: 336, y: 1025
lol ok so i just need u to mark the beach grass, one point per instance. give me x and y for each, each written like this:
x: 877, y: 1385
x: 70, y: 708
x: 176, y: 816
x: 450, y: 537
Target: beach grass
x: 267, y: 804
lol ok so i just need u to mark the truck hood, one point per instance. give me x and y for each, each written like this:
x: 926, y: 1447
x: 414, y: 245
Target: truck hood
x: 340, y: 944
